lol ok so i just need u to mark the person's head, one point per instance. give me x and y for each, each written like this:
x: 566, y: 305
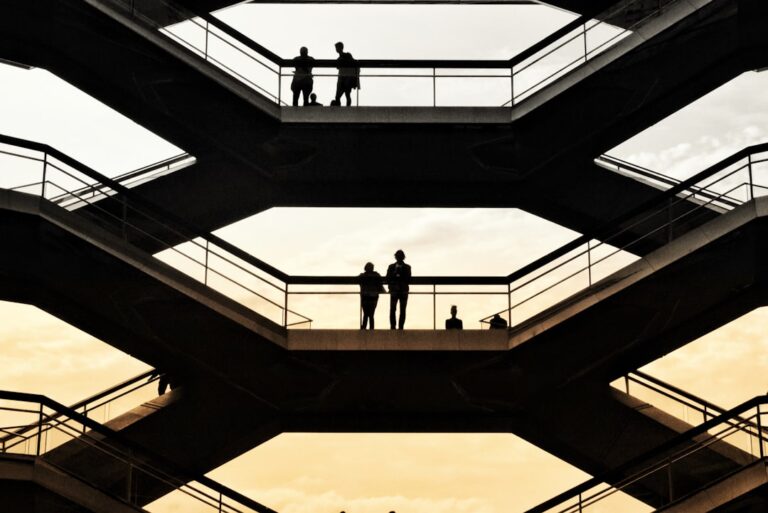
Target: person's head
x: 368, y: 267
x: 454, y: 310
x: 313, y: 97
x: 303, y: 51
x: 339, y: 47
x: 399, y: 255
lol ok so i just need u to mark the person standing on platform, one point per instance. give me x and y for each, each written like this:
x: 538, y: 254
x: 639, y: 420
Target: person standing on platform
x: 349, y: 75
x: 454, y: 323
x: 302, y: 83
x: 371, y: 284
x: 398, y: 280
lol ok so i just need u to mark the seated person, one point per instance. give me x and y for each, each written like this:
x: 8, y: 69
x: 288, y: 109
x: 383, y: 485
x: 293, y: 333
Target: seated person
x: 453, y: 323
x: 498, y: 323
x: 313, y: 101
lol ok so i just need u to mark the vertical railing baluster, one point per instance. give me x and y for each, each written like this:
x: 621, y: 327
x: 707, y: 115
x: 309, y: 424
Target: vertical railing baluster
x: 434, y: 306
x: 45, y: 173
x: 279, y: 86
x: 220, y: 502
x: 39, y: 431
x: 509, y: 304
x: 207, y: 30
x: 512, y: 86
x: 585, y: 41
x: 626, y: 383
x: 434, y: 87
x: 589, y: 262
x: 751, y: 183
x: 205, y: 276
x: 285, y: 306
x: 760, y: 434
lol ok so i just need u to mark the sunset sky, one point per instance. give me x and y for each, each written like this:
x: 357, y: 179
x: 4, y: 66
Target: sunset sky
x: 370, y: 473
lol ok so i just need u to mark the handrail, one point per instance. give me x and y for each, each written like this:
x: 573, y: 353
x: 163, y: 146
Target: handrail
x: 659, y: 452
x: 187, y: 231
x: 264, y: 58
x: 402, y: 63
x: 137, y: 449
x: 706, y: 406
x: 92, y: 399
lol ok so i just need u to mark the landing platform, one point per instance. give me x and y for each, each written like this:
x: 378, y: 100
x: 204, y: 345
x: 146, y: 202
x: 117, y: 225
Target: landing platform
x: 397, y: 340
x: 404, y: 115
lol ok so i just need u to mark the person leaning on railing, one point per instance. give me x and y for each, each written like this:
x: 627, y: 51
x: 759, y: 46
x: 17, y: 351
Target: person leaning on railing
x: 302, y: 82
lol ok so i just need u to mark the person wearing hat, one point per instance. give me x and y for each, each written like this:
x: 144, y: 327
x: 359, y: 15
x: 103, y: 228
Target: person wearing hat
x: 398, y: 277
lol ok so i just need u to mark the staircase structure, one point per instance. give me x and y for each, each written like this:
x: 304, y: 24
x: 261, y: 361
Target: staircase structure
x: 661, y: 262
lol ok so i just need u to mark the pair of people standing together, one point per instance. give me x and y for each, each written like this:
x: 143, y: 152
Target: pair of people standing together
x: 303, y: 82
x: 398, y: 279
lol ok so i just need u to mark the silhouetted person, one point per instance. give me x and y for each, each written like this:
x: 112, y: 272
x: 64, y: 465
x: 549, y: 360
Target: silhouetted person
x: 398, y: 278
x: 164, y: 382
x: 454, y: 323
x: 498, y: 322
x: 349, y: 75
x: 313, y: 101
x: 302, y: 82
x: 371, y: 284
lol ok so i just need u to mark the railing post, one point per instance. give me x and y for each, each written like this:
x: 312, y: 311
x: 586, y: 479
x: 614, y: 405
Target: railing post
x: 509, y: 305
x: 512, y: 86
x: 434, y: 87
x: 45, y: 173
x: 626, y: 383
x: 580, y: 506
x: 751, y: 183
x: 585, y: 42
x: 205, y: 276
x: 207, y: 30
x: 434, y: 306
x: 760, y: 433
x: 39, y: 431
x: 220, y: 503
x: 285, y: 306
x: 279, y: 86
x: 85, y: 414
x: 589, y: 262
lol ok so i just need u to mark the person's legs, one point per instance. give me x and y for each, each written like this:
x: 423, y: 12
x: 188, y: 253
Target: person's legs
x: 374, y: 302
x: 162, y: 384
x: 348, y: 96
x: 339, y: 90
x: 306, y: 89
x: 295, y: 91
x: 392, y: 306
x: 403, y: 304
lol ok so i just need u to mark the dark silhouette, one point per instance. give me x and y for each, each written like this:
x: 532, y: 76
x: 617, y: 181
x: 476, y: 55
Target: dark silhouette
x: 371, y: 284
x: 302, y: 82
x: 498, y: 322
x: 164, y: 382
x: 398, y: 278
x: 454, y: 323
x: 349, y: 75
x: 313, y: 101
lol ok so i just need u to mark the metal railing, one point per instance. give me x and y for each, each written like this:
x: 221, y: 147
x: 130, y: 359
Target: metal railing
x: 582, y: 265
x: 660, y: 469
x: 573, y: 269
x: 48, y: 173
x: 99, y: 407
x: 123, y: 469
x: 502, y: 82
x: 130, y: 179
